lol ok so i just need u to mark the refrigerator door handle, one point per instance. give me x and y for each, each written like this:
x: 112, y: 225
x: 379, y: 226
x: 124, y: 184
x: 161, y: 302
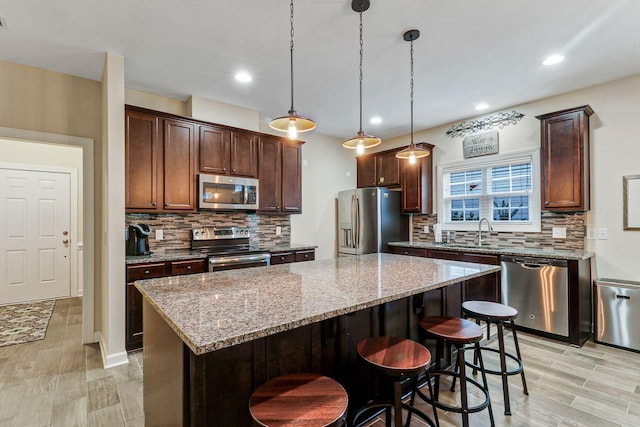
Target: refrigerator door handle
x: 353, y: 222
x: 357, y: 239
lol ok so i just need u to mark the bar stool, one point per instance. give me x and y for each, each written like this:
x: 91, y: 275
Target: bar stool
x: 399, y: 359
x: 492, y: 312
x: 308, y: 400
x: 459, y: 333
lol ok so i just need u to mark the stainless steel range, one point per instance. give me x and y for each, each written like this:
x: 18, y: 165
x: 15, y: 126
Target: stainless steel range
x: 228, y: 248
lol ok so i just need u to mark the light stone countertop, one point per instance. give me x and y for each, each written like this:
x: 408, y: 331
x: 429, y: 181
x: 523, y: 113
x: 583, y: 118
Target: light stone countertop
x: 501, y: 250
x: 211, y: 311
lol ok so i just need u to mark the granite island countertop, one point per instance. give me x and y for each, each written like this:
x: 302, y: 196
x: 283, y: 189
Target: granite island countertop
x: 187, y: 254
x: 211, y: 311
x: 501, y: 250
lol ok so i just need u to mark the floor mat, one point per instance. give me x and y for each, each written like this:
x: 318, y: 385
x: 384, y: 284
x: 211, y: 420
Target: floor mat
x: 25, y: 322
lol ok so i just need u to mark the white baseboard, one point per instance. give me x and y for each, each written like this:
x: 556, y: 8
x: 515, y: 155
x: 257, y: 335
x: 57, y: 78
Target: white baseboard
x: 112, y: 360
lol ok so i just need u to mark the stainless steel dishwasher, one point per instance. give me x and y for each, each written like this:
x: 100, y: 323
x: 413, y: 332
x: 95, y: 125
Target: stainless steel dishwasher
x: 618, y: 313
x: 539, y: 289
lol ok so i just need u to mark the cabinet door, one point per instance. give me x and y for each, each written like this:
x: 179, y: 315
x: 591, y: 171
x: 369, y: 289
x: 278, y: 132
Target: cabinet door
x: 141, y: 160
x: 269, y: 191
x: 291, y: 177
x: 179, y: 165
x: 215, y: 150
x: 133, y: 338
x: 244, y: 154
x: 484, y: 288
x: 565, y: 159
x: 417, y: 184
x: 366, y: 170
x: 388, y: 169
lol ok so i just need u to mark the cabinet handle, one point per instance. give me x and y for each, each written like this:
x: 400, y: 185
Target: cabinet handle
x: 154, y: 204
x: 546, y: 203
x: 188, y: 267
x: 147, y: 272
x: 233, y: 170
x: 224, y: 169
x: 306, y: 255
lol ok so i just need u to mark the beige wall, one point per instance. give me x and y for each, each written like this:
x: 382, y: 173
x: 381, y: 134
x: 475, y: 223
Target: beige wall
x: 218, y: 112
x: 155, y: 102
x: 39, y: 100
x: 614, y: 153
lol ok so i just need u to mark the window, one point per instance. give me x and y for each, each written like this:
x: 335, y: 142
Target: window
x: 503, y: 189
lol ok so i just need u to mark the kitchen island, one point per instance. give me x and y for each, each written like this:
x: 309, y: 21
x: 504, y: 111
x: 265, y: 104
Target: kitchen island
x: 210, y: 339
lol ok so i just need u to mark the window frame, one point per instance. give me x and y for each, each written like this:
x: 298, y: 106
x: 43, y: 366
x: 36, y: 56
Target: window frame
x: 483, y: 163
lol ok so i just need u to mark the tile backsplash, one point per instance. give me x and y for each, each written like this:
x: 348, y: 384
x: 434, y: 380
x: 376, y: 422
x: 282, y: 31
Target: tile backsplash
x: 177, y: 227
x: 573, y: 221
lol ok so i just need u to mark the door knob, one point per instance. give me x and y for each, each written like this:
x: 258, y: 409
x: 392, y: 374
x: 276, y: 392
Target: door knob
x: 65, y: 241
x: 64, y: 233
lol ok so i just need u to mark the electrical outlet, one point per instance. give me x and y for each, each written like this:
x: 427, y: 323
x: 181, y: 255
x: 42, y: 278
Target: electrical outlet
x: 425, y: 229
x: 602, y: 234
x: 559, y: 232
x: 278, y: 230
x: 159, y: 234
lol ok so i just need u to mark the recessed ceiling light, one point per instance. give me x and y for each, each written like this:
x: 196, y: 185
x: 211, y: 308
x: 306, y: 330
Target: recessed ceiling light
x: 553, y: 59
x: 482, y: 106
x: 243, y: 77
x: 375, y: 120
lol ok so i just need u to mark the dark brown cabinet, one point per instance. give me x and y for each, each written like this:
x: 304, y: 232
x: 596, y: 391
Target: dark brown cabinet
x: 244, y: 154
x: 179, y: 165
x: 133, y: 303
x: 141, y: 160
x: 280, y: 185
x: 388, y: 169
x: 417, y: 184
x: 565, y: 159
x: 215, y: 150
x: 287, y: 257
x: 366, y: 170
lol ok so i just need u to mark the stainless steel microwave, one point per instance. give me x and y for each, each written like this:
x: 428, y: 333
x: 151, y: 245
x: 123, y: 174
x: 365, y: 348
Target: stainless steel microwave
x: 227, y: 192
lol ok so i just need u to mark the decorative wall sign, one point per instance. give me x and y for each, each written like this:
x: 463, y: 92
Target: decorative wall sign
x: 501, y: 120
x: 631, y: 190
x: 480, y: 145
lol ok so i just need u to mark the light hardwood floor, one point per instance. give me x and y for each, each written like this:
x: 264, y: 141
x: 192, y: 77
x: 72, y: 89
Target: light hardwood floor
x: 60, y: 382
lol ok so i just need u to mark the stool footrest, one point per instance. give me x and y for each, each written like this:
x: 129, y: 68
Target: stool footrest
x: 514, y: 371
x: 457, y: 409
x: 389, y: 404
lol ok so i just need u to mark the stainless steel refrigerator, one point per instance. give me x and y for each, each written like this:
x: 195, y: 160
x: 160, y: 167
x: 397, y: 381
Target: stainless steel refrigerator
x: 369, y: 218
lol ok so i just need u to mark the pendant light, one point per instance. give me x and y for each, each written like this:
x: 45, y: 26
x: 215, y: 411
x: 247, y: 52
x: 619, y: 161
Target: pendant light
x: 361, y: 140
x: 412, y: 152
x: 292, y: 123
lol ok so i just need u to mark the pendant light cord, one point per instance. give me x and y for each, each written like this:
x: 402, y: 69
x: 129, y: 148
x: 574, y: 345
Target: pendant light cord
x: 292, y: 111
x: 361, y: 55
x: 411, y: 91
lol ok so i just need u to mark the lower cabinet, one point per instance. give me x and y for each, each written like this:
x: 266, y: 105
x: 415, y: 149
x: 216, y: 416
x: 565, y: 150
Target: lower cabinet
x: 133, y: 304
x: 286, y: 257
x: 485, y: 288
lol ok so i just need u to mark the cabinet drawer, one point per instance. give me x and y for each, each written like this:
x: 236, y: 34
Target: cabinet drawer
x: 144, y: 271
x: 282, y: 257
x: 305, y: 255
x: 408, y: 251
x: 450, y: 255
x: 187, y: 267
x: 480, y: 258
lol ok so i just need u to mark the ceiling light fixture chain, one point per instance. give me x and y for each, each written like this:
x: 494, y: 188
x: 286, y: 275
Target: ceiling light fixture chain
x: 292, y: 123
x: 412, y: 152
x: 361, y: 140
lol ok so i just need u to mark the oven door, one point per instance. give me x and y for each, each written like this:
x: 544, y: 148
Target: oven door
x: 227, y: 192
x: 232, y: 262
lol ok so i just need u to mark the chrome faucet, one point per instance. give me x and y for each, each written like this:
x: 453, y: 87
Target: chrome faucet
x: 480, y: 229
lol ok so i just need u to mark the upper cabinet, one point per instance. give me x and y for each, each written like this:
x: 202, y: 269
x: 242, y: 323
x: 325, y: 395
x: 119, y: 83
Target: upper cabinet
x: 141, y: 160
x: 565, y: 159
x: 380, y: 169
x: 164, y: 154
x: 280, y: 177
x: 417, y: 188
x: 226, y: 152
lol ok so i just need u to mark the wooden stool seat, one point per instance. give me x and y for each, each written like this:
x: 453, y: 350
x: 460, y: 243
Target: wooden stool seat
x: 299, y: 400
x: 489, y: 310
x: 394, y: 355
x: 452, y: 329
x: 400, y: 359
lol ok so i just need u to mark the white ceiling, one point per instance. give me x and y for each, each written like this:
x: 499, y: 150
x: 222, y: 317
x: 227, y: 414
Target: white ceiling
x: 470, y: 51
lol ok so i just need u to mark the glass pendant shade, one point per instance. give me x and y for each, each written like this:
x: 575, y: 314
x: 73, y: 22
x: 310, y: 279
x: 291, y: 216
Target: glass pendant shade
x: 292, y: 123
x: 361, y: 141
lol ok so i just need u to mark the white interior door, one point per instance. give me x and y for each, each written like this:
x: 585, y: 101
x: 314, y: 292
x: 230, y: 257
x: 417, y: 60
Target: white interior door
x: 34, y: 235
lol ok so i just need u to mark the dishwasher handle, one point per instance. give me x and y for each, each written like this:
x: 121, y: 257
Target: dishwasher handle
x: 532, y: 263
x: 618, y: 296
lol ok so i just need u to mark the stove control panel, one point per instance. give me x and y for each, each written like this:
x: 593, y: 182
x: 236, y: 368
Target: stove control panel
x: 215, y: 233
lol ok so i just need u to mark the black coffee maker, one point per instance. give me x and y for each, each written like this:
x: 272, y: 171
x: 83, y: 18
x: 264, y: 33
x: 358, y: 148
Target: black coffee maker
x: 138, y: 239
